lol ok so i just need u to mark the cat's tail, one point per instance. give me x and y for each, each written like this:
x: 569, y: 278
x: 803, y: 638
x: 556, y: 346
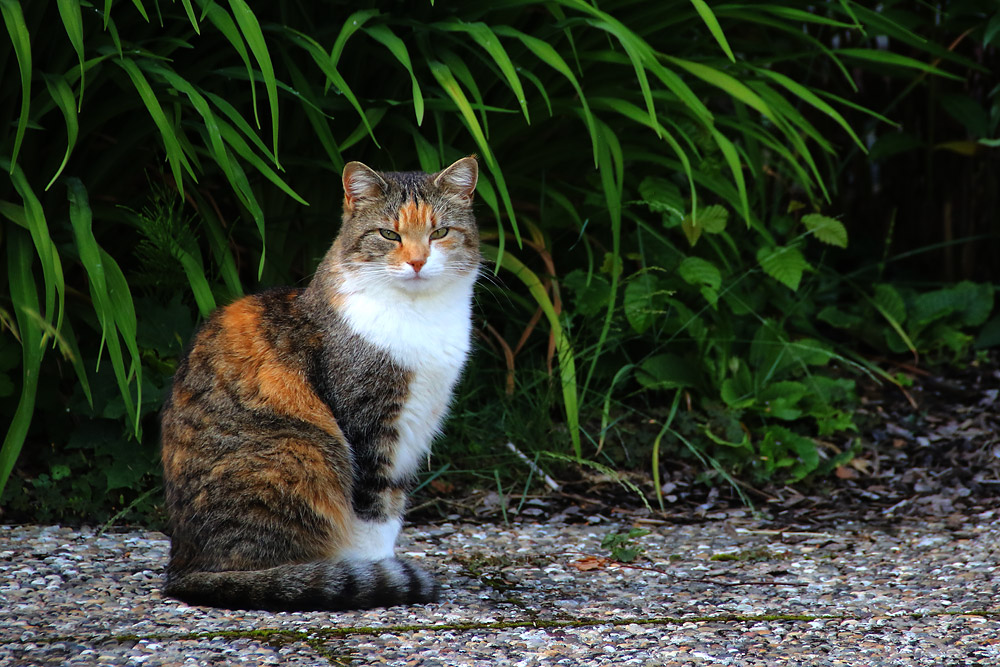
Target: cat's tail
x: 327, y: 585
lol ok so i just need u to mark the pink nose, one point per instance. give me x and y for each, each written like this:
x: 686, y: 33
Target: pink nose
x: 417, y: 264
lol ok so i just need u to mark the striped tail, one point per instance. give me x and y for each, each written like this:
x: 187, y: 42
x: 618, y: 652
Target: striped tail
x: 325, y: 585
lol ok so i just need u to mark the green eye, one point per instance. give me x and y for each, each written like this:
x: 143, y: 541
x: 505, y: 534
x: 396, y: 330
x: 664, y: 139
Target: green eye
x: 439, y: 233
x: 389, y: 234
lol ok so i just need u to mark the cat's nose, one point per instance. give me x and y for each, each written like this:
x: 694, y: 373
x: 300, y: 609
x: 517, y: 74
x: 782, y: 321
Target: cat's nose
x: 417, y: 264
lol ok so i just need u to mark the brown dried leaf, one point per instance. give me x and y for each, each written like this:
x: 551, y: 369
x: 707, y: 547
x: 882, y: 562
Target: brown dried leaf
x: 843, y: 472
x: 589, y: 563
x: 441, y: 486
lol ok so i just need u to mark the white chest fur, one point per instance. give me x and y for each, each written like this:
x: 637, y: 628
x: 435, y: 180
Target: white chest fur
x: 428, y: 335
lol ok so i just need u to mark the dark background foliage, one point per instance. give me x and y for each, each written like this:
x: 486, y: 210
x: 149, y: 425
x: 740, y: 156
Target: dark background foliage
x: 706, y: 219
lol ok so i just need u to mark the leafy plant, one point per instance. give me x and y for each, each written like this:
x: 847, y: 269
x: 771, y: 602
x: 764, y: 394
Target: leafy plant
x: 641, y: 156
x: 623, y: 546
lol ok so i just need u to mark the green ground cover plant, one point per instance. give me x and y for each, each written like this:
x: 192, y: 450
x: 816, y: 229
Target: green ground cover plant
x: 660, y: 204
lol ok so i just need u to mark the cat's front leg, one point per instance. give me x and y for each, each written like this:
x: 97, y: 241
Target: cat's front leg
x: 373, y: 539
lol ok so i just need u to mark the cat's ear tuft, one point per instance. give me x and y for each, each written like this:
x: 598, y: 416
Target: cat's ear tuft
x: 361, y: 182
x: 460, y: 178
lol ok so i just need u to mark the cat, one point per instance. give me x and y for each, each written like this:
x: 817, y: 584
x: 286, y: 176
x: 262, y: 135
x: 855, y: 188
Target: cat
x: 299, y: 417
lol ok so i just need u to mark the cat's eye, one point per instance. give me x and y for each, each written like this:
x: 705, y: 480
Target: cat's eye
x: 389, y: 234
x: 439, y: 233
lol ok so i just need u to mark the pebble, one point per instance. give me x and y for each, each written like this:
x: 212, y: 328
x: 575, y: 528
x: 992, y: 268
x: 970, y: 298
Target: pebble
x: 907, y: 595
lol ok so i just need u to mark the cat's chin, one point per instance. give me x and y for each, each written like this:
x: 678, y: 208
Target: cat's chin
x: 418, y: 284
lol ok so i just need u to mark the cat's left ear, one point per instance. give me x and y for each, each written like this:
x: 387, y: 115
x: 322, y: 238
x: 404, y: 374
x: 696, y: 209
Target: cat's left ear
x: 460, y: 178
x: 361, y: 182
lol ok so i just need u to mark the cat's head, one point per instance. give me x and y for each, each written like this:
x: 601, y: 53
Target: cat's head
x: 408, y: 231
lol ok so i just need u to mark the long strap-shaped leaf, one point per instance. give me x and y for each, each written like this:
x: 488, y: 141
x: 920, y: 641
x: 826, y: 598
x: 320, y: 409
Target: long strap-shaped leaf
x: 72, y: 18
x: 34, y: 216
x: 250, y: 28
x: 13, y: 17
x: 24, y: 297
x: 567, y: 363
x: 447, y: 81
x: 112, y: 300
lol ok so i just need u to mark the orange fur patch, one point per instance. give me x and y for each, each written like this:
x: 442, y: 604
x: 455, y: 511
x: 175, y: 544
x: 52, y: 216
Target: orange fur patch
x: 415, y: 216
x: 279, y: 387
x: 264, y: 378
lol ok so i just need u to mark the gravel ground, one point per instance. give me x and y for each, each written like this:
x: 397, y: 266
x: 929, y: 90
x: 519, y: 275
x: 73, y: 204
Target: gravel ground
x: 725, y: 592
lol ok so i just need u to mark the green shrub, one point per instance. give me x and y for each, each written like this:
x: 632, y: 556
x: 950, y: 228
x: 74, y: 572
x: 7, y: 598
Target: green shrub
x: 640, y: 157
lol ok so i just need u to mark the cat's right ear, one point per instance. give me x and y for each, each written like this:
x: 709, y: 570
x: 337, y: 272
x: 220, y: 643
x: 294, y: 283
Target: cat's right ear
x: 361, y: 182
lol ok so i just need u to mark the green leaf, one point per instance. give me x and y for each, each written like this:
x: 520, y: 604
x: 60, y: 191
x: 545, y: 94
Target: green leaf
x: 382, y: 34
x: 21, y: 41
x: 63, y: 97
x: 24, y: 298
x: 813, y: 100
x: 250, y: 28
x: 661, y: 195
x: 487, y: 39
x: 354, y: 22
x: 590, y: 297
x: 968, y: 112
x: 890, y: 303
x: 175, y: 154
x: 713, y: 26
x: 698, y: 271
x: 567, y: 363
x: 840, y: 319
x: 780, y: 399
x: 645, y: 300
x: 728, y: 84
x: 828, y: 230
x: 447, y: 81
x: 52, y: 272
x: 896, y: 60
x: 711, y: 219
x: 544, y: 52
x: 72, y: 19
x: 667, y: 371
x: 783, y: 263
x: 111, y: 298
x: 781, y: 440
x: 189, y: 10
x: 142, y: 10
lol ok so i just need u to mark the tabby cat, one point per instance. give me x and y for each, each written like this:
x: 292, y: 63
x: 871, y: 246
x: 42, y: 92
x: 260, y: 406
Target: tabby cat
x: 299, y: 417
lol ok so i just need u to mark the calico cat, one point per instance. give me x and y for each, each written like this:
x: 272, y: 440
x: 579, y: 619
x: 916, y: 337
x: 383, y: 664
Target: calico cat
x: 299, y: 417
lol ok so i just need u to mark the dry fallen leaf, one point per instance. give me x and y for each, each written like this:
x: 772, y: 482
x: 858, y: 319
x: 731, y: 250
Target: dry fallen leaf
x: 589, y: 563
x: 442, y: 487
x: 843, y: 472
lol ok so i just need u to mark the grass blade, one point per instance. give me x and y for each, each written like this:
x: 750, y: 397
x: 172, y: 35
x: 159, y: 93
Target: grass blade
x: 13, y: 17
x: 250, y: 27
x: 895, y: 60
x: 24, y: 297
x: 61, y: 94
x: 385, y: 36
x: 447, y: 81
x: 329, y: 68
x: 485, y: 37
x: 224, y: 23
x: 813, y: 100
x: 544, y: 52
x: 175, y: 154
x: 52, y: 272
x: 189, y: 10
x: 112, y: 300
x: 567, y: 363
x: 72, y: 18
x: 354, y: 22
x: 705, y: 12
